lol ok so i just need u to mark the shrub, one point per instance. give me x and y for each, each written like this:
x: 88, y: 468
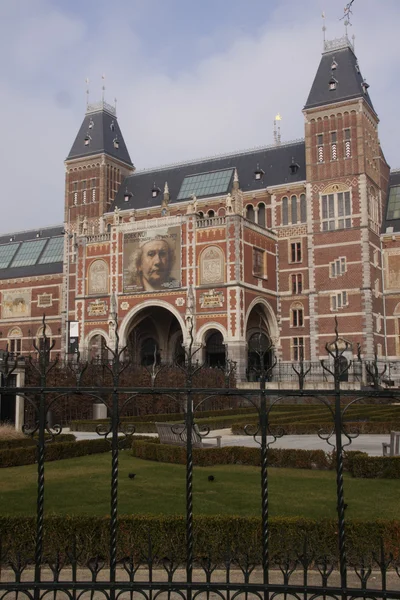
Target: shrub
x: 213, y: 535
x: 238, y: 455
x: 373, y: 467
x: 16, y: 457
x: 25, y: 441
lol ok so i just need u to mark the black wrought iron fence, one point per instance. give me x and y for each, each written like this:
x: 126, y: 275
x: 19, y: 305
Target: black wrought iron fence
x: 182, y: 570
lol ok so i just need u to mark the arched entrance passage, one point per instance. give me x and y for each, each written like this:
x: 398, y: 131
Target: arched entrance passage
x: 260, y: 329
x: 154, y: 334
x: 214, y: 349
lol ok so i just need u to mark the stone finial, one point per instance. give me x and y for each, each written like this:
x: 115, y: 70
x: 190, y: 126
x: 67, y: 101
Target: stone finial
x: 166, y: 194
x: 235, y: 180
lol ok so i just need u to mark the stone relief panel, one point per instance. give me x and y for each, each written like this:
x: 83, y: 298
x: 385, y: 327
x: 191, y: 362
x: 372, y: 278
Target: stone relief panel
x: 392, y: 270
x: 44, y: 300
x: 16, y: 303
x: 98, y: 277
x: 212, y: 266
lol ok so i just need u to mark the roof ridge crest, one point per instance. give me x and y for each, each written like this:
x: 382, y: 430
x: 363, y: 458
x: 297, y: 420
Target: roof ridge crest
x: 214, y: 156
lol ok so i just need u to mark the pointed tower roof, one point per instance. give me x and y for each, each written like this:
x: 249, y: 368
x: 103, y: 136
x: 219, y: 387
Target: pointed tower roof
x: 100, y: 133
x: 338, y: 77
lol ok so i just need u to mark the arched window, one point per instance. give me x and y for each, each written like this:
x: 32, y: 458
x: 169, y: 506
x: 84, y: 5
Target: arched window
x: 285, y: 211
x: 303, y: 208
x: 44, y: 343
x: 259, y: 355
x: 212, y: 265
x: 221, y: 212
x: 250, y: 214
x: 97, y: 349
x: 294, y: 209
x: 211, y: 213
x: 297, y: 315
x: 15, y: 341
x: 200, y: 214
x: 261, y: 214
x: 98, y: 277
x: 215, y: 349
x: 149, y: 352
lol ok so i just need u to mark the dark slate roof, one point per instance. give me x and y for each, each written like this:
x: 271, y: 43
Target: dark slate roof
x: 349, y: 79
x: 275, y: 161
x: 35, y: 269
x: 100, y: 123
x: 394, y: 180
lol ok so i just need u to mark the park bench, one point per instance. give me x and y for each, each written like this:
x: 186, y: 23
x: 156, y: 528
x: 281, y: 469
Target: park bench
x: 176, y: 434
x: 392, y: 448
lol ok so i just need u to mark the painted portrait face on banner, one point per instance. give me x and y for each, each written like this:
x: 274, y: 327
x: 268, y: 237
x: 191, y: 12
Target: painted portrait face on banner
x: 152, y: 260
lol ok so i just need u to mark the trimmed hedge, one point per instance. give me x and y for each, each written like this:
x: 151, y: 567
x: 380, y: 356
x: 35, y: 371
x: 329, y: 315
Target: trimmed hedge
x: 28, y: 441
x: 301, y: 428
x: 232, y: 455
x: 374, y: 467
x: 212, y: 537
x: 77, y: 425
x: 17, y: 457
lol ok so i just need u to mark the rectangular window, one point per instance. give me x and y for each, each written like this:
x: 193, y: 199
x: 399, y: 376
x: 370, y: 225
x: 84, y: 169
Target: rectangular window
x: 295, y: 252
x: 297, y: 317
x: 258, y: 262
x: 320, y: 148
x: 347, y: 143
x: 339, y: 301
x: 15, y: 346
x: 297, y: 348
x: 338, y: 267
x: 75, y: 186
x: 297, y: 283
x: 333, y: 145
x: 93, y: 183
x: 336, y: 211
x: 84, y: 184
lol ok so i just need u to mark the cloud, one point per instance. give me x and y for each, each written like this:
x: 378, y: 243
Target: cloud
x: 179, y: 96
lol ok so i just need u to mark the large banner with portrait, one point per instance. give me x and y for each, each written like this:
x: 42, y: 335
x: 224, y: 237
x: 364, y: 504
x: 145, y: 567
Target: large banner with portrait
x: 152, y: 260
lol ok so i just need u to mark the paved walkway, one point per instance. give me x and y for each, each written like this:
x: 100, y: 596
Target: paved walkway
x: 370, y: 443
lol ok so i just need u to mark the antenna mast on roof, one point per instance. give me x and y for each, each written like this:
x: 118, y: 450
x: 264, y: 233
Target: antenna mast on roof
x: 103, y: 87
x: 277, y: 130
x: 87, y: 91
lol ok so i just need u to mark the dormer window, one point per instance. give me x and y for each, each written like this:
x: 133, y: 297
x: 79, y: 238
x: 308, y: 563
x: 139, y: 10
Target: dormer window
x: 128, y: 195
x: 365, y: 86
x: 332, y: 83
x: 155, y: 190
x: 87, y: 139
x: 112, y: 126
x: 334, y: 65
x: 116, y: 143
x: 91, y: 123
x: 357, y: 67
x: 258, y: 173
x: 294, y: 167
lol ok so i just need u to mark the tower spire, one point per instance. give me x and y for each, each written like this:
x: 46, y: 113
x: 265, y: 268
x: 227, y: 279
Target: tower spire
x: 87, y: 91
x: 323, y: 27
x: 103, y: 87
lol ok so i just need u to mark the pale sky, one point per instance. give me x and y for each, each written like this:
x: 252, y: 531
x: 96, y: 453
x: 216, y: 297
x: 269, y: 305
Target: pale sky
x: 191, y: 78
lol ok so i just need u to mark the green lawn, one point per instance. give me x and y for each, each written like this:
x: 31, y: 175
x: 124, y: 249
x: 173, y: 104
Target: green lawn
x: 82, y: 486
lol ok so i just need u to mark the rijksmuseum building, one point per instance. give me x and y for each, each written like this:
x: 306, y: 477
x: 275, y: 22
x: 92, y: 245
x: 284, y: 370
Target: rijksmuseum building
x: 279, y: 240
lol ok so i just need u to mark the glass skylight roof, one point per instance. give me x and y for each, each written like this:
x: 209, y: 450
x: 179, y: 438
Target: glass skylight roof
x: 6, y: 254
x: 53, y: 251
x: 205, y: 184
x: 28, y: 253
x: 393, y: 211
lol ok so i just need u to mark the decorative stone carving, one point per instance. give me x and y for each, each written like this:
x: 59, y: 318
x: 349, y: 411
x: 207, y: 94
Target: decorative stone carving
x: 16, y: 303
x: 334, y: 188
x: 98, y: 277
x: 124, y: 305
x: 211, y: 299
x: 116, y: 215
x: 97, y: 308
x: 212, y: 265
x: 44, y: 300
x: 179, y: 301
